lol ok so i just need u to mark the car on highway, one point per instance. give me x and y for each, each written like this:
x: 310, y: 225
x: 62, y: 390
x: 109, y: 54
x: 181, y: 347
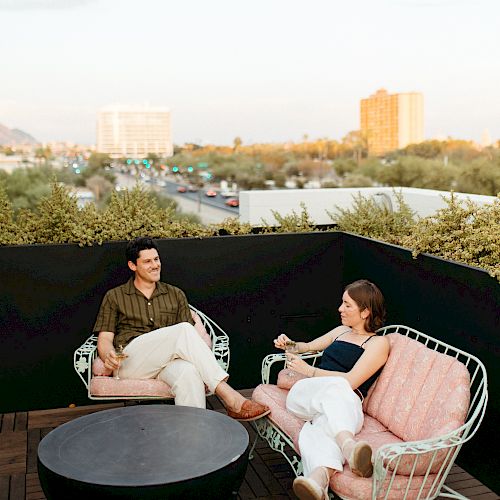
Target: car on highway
x: 192, y: 188
x: 181, y: 189
x: 228, y: 194
x: 211, y: 193
x: 232, y: 202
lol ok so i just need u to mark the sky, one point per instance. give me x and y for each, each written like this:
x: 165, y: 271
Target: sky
x: 262, y: 70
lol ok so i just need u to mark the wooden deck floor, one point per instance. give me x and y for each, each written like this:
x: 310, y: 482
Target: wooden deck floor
x: 268, y: 474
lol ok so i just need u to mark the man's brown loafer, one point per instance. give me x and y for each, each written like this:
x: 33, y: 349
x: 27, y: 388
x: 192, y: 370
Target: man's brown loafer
x: 250, y: 410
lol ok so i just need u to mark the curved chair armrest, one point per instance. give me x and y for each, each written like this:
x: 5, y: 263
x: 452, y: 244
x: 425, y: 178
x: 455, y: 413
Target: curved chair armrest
x: 388, y: 457
x: 83, y: 358
x: 270, y: 359
x: 220, y: 339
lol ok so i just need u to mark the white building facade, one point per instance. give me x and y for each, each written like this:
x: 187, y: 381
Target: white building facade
x: 134, y: 131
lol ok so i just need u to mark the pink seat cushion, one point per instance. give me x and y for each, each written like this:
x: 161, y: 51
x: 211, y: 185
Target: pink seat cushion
x: 274, y: 397
x: 348, y: 485
x: 108, y: 386
x: 103, y: 384
x: 287, y: 377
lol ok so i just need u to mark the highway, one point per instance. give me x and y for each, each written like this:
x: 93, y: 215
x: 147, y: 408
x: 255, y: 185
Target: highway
x: 210, y: 210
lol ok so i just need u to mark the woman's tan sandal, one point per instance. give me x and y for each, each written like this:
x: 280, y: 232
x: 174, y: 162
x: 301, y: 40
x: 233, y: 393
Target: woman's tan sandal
x: 314, y: 486
x: 360, y: 460
x: 308, y: 489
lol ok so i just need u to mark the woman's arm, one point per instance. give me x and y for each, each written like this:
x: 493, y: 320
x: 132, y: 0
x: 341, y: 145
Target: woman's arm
x: 374, y: 357
x: 318, y: 344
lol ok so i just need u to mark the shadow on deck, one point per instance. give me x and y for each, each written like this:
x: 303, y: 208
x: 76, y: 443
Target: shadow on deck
x: 268, y: 475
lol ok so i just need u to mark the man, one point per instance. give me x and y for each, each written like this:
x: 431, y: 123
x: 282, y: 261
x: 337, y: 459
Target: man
x: 151, y: 320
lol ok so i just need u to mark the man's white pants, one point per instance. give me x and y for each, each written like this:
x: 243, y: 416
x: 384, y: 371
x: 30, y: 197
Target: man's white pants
x: 329, y: 406
x: 178, y: 356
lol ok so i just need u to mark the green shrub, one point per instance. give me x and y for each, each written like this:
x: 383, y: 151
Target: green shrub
x: 291, y: 223
x: 368, y: 218
x: 462, y: 231
x: 7, y: 227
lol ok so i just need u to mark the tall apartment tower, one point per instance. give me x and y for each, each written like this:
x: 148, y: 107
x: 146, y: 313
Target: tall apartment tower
x: 134, y: 131
x: 392, y: 121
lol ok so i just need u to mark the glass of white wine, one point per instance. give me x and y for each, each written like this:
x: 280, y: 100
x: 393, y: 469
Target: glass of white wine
x: 291, y: 348
x: 121, y: 356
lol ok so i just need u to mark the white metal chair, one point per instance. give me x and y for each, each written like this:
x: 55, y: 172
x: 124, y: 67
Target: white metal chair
x: 402, y: 470
x: 86, y: 354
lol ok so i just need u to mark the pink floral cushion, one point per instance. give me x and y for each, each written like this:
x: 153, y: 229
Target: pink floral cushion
x: 287, y: 377
x: 108, y: 386
x: 274, y: 397
x: 420, y: 393
x: 348, y: 485
x: 200, y: 328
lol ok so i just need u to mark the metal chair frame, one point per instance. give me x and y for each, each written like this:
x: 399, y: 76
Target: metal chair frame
x: 85, y: 355
x: 388, y: 457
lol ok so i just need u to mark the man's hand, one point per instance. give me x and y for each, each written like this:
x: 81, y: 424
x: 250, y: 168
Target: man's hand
x: 111, y: 361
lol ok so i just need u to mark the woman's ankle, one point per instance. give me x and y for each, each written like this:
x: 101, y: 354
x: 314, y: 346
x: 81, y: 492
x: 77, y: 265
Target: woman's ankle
x: 320, y: 475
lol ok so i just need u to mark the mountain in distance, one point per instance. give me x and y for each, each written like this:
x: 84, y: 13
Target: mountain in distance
x: 15, y: 136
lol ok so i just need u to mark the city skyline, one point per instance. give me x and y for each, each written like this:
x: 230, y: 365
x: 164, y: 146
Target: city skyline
x: 266, y: 71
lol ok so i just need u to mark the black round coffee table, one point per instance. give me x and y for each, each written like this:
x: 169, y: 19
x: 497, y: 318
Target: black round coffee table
x: 147, y: 452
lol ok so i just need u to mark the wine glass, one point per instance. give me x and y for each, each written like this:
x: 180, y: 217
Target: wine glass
x: 292, y: 348
x: 120, y: 355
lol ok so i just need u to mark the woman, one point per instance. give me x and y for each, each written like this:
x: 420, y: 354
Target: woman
x: 330, y: 399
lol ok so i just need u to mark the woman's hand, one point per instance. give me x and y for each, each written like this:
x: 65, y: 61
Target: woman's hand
x: 281, y: 341
x: 297, y: 364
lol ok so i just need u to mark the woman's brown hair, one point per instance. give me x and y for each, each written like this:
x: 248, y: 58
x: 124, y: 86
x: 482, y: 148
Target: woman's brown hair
x: 368, y: 296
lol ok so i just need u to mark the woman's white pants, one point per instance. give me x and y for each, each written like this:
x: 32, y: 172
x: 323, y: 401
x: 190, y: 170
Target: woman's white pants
x: 178, y: 356
x: 329, y: 406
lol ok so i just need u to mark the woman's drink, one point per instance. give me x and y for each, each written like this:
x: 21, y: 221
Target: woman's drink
x: 291, y: 347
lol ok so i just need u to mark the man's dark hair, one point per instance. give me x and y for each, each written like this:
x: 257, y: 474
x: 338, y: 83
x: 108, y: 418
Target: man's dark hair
x: 136, y: 245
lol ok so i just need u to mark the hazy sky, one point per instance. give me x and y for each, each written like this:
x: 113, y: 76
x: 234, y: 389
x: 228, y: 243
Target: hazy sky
x: 264, y: 70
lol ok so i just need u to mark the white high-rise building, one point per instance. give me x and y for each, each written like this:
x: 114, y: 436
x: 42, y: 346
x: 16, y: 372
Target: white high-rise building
x: 134, y: 131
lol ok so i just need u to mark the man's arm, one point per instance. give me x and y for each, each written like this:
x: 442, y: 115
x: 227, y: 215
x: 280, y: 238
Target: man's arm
x: 106, y: 350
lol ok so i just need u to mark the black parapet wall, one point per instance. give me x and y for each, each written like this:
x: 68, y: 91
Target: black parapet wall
x: 455, y: 303
x: 253, y: 286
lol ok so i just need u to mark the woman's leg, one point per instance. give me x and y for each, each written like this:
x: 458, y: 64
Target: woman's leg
x: 357, y: 453
x: 329, y: 406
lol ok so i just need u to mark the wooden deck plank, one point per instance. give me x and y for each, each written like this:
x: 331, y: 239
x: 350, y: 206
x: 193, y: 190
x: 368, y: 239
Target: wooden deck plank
x: 17, y: 486
x: 52, y: 418
x: 13, y: 452
x: 21, y: 421
x: 34, y: 437
x: 268, y: 475
x: 8, y: 420
x: 33, y: 488
x: 4, y: 487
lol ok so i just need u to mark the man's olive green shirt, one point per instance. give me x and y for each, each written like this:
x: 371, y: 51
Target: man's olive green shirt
x: 127, y: 313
